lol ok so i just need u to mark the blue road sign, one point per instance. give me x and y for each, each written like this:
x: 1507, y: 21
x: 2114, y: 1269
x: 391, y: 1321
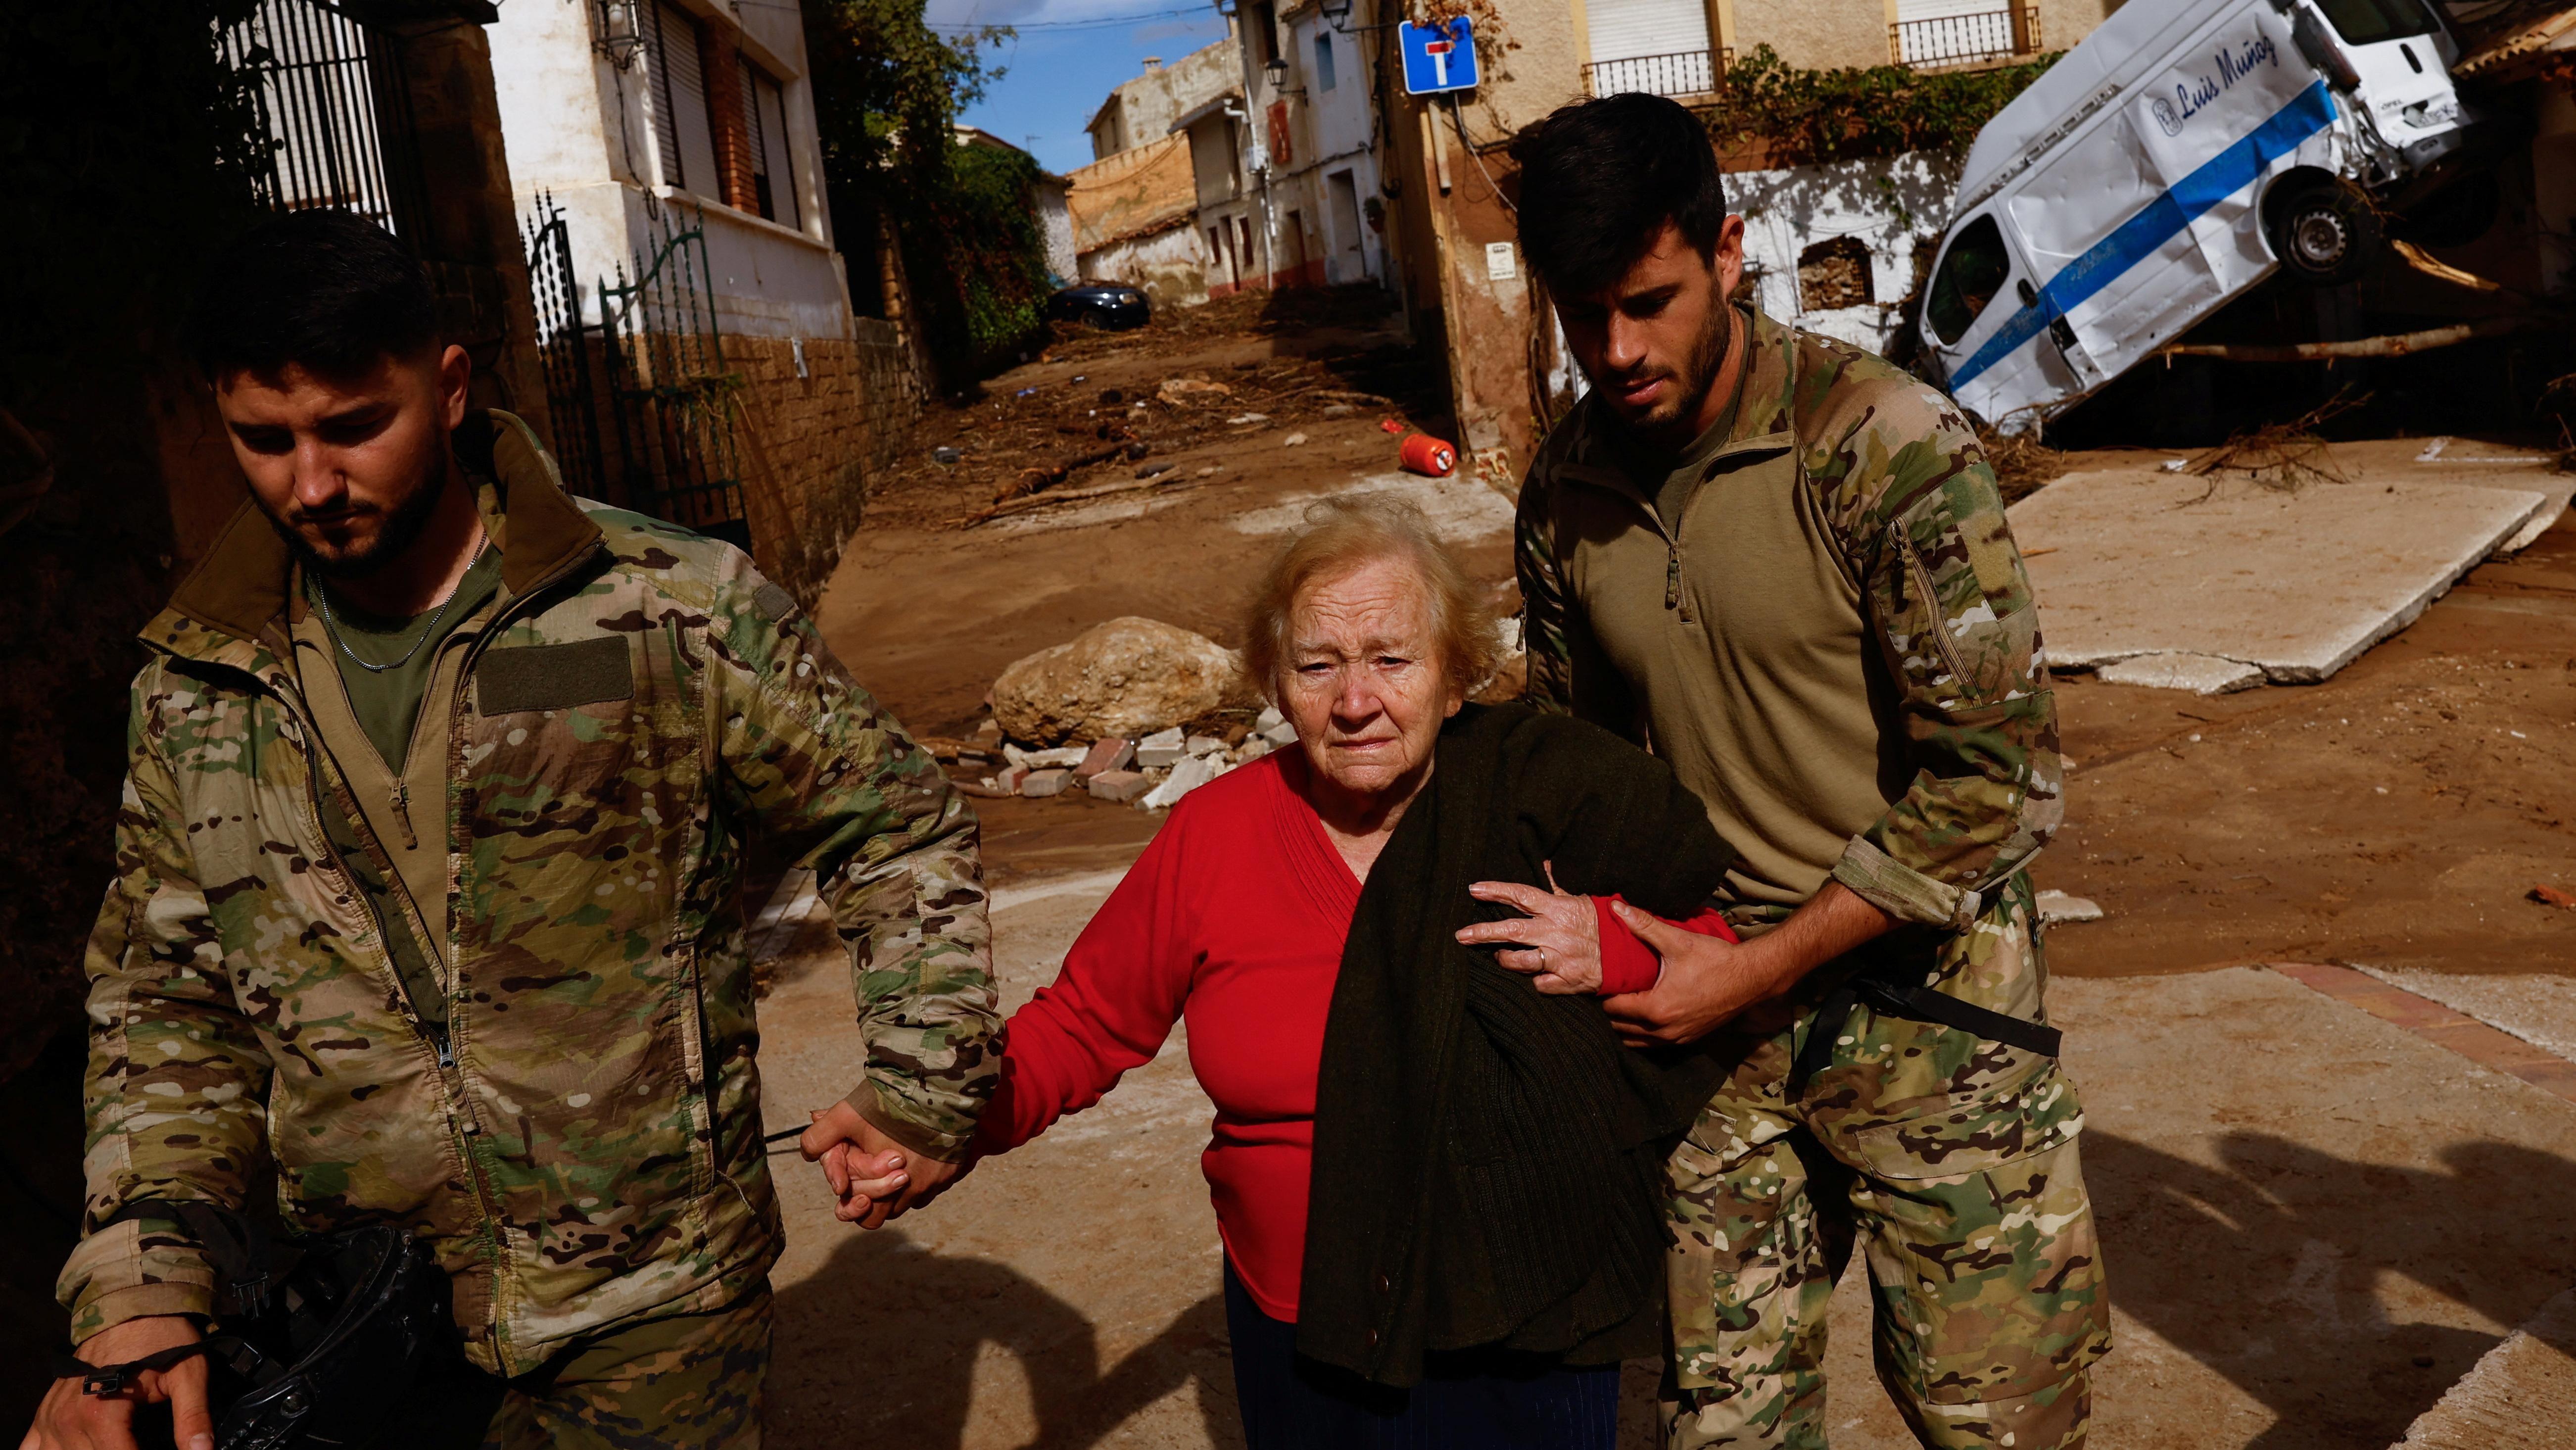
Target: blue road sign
x: 1438, y: 57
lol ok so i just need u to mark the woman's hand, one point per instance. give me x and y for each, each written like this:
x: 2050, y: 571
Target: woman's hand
x: 1558, y: 935
x: 874, y: 1177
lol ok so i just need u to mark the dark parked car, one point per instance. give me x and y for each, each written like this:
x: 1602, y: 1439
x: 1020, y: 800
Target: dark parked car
x: 1112, y: 305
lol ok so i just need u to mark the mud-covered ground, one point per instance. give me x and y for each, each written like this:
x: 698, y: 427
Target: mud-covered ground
x: 2400, y: 813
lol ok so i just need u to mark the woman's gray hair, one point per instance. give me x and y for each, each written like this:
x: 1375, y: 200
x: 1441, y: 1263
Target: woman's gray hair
x: 1345, y: 534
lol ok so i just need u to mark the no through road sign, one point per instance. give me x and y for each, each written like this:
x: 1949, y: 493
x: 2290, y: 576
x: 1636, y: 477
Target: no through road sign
x: 1438, y: 57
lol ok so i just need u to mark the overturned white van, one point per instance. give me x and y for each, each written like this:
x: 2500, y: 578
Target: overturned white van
x: 2178, y: 156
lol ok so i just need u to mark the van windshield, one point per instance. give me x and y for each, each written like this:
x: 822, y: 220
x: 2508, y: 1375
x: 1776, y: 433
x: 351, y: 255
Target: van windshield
x: 1970, y: 276
x: 2368, y: 22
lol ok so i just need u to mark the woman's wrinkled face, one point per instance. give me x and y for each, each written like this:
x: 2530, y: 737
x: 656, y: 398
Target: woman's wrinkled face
x: 1363, y: 681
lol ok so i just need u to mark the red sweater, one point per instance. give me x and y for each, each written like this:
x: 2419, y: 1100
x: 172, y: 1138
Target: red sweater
x: 1232, y: 920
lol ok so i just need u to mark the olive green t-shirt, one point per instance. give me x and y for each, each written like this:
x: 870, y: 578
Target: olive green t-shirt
x: 1671, y: 478
x: 387, y: 702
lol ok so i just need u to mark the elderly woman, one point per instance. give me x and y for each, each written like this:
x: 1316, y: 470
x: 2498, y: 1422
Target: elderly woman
x: 1436, y: 1186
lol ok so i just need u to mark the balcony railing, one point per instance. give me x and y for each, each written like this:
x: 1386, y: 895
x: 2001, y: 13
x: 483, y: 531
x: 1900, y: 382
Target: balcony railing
x: 1965, y: 39
x: 1682, y: 73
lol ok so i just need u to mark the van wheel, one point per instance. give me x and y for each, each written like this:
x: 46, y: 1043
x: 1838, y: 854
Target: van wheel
x: 2325, y: 235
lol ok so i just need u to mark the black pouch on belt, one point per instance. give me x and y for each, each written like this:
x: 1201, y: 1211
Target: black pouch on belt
x: 315, y: 1336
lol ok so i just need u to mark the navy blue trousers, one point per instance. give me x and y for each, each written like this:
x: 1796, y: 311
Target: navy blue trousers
x: 1465, y: 1402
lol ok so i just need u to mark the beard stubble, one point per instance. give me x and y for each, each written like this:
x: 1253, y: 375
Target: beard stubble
x: 402, y: 528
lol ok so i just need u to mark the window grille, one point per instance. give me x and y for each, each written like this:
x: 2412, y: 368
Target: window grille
x: 338, y: 118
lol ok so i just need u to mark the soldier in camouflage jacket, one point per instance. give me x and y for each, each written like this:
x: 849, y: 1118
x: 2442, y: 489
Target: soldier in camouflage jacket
x: 581, y: 1143
x: 1805, y: 595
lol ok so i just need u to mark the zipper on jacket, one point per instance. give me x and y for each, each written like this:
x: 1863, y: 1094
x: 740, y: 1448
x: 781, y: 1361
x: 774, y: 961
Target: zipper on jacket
x: 436, y: 1036
x: 1921, y: 574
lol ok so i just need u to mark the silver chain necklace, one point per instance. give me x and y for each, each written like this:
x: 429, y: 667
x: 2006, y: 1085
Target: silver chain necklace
x: 322, y: 597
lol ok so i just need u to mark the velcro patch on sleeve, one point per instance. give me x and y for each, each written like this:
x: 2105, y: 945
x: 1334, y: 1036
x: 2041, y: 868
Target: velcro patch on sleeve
x: 1990, y: 555
x: 773, y: 602
x: 554, y: 676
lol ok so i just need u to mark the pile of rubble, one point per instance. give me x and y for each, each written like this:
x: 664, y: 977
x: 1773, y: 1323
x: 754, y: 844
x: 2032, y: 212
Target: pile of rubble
x: 1132, y: 710
x: 1152, y: 773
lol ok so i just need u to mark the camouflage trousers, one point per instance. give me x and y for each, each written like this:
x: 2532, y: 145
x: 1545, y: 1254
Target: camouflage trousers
x: 1950, y: 1160
x: 694, y: 1381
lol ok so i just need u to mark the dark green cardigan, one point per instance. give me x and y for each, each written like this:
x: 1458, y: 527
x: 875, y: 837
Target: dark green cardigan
x: 1488, y: 1161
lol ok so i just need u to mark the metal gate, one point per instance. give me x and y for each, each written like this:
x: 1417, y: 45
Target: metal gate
x: 643, y: 405
x: 331, y: 98
x: 564, y: 346
x: 668, y: 389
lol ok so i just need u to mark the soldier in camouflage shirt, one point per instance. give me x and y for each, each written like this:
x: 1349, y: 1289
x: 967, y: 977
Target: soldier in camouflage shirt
x: 536, y: 1050
x: 1783, y: 565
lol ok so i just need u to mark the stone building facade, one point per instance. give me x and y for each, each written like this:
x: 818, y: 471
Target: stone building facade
x: 675, y: 142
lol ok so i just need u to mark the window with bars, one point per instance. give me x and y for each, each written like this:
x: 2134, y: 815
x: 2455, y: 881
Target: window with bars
x: 337, y: 116
x: 764, y: 120
x: 682, y: 133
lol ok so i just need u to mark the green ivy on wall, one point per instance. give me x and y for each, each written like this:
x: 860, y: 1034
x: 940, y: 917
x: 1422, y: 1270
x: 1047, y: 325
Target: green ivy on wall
x: 1812, y: 117
x: 887, y: 91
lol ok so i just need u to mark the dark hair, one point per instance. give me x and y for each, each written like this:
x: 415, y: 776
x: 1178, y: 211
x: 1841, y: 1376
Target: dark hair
x: 328, y: 291
x: 1600, y: 178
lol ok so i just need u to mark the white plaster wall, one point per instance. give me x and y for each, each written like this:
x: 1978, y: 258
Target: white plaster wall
x: 1340, y: 115
x: 1889, y: 205
x: 559, y: 100
x: 1332, y: 135
x: 1057, y: 223
x: 576, y: 126
x: 770, y: 281
x: 1170, y: 266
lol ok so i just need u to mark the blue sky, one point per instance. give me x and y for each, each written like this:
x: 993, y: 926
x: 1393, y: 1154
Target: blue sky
x: 1057, y: 77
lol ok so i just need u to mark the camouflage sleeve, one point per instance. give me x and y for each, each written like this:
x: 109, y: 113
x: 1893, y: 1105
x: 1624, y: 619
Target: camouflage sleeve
x: 177, y: 1084
x: 1568, y: 674
x: 1952, y: 611
x: 1543, y: 623
x: 893, y: 851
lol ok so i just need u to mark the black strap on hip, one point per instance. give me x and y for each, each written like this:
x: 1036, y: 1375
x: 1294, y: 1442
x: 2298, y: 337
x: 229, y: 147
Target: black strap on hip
x: 1915, y: 1004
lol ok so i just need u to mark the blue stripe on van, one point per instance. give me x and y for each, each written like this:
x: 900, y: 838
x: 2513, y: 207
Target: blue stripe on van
x: 2138, y: 238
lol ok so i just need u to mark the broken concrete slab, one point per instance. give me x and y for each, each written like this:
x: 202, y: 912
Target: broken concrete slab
x: 1161, y: 749
x: 1191, y: 773
x: 1105, y: 755
x: 1118, y: 786
x: 2521, y: 1395
x: 2056, y: 907
x: 2200, y: 674
x: 2131, y: 562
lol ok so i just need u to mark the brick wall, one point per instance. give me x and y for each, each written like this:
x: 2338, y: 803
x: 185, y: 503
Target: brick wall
x: 725, y: 118
x: 809, y: 444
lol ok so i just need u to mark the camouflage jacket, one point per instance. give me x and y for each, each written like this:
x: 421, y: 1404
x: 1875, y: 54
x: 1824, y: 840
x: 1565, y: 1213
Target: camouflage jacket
x: 1850, y: 516
x: 582, y: 1145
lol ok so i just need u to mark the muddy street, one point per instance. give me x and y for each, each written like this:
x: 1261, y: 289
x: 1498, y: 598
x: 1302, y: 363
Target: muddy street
x: 2401, y: 815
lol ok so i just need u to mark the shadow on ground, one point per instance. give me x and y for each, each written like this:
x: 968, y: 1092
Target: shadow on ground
x: 891, y: 1338
x: 2279, y: 1269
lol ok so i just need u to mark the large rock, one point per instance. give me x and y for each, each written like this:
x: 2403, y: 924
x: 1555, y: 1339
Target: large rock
x: 1121, y: 680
